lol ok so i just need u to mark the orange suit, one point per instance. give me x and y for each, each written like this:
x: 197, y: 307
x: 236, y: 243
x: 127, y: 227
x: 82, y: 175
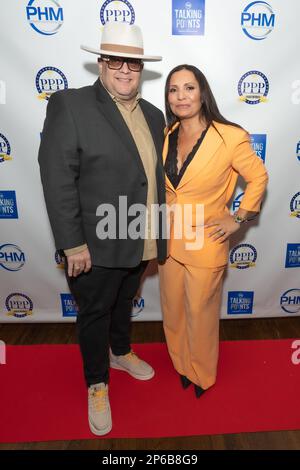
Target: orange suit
x: 191, y: 280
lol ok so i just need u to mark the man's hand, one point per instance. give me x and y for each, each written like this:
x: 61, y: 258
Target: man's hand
x: 81, y: 262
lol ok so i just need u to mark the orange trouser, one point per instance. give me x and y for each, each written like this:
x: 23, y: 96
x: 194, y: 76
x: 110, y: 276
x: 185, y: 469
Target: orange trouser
x: 190, y: 298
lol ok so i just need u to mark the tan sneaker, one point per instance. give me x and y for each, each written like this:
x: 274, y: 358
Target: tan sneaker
x: 132, y: 364
x: 99, y: 409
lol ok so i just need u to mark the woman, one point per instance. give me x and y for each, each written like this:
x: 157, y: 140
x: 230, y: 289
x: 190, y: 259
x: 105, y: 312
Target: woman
x: 203, y: 156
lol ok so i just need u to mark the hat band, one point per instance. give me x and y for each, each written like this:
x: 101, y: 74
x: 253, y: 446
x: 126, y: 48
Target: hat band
x: 122, y: 49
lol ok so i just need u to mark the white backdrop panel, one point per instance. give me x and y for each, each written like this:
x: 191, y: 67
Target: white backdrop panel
x: 259, y: 284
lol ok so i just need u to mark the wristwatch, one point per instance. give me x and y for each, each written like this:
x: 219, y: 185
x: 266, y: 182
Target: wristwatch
x: 239, y: 219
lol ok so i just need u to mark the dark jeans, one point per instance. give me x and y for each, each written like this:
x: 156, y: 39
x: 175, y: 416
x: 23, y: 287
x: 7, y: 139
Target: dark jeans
x: 104, y: 298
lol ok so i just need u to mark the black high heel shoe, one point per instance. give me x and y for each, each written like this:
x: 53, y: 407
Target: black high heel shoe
x: 185, y: 382
x: 198, y: 391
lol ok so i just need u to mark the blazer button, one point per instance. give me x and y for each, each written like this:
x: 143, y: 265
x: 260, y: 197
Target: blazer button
x: 144, y: 183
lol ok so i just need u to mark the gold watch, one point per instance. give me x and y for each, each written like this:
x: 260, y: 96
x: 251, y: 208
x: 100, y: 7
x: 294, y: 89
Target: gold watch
x: 239, y: 219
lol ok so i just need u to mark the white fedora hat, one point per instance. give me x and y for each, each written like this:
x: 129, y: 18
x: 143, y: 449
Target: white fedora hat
x: 122, y: 40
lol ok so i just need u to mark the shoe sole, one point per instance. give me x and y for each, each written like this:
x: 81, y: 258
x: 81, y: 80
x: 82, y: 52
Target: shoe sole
x: 139, y: 377
x: 100, y: 432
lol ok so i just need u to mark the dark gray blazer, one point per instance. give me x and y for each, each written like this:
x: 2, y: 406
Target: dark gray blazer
x: 88, y: 157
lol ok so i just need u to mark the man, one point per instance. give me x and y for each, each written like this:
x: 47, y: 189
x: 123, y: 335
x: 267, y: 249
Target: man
x: 99, y: 143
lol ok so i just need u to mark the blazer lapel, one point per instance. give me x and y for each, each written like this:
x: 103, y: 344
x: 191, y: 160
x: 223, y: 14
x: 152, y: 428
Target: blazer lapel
x: 165, y: 154
x: 208, y: 148
x: 109, y: 109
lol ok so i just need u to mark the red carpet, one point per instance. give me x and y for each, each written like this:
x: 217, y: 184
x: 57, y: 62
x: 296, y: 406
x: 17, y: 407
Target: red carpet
x: 43, y: 396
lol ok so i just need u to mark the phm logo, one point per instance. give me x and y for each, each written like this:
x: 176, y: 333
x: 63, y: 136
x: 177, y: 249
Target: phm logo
x: 12, y: 258
x: 258, y: 20
x: 113, y: 10
x: 19, y: 305
x: 48, y: 81
x: 60, y: 260
x: 298, y: 150
x: 290, y: 301
x: 243, y: 256
x: 237, y: 202
x: 295, y: 206
x: 138, y: 305
x: 4, y: 149
x: 8, y: 205
x: 45, y: 16
x: 253, y: 87
x: 259, y: 142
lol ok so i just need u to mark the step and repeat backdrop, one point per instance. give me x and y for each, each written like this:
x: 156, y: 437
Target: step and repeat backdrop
x: 249, y: 52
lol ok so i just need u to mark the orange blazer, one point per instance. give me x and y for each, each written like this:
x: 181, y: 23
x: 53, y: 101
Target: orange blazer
x: 210, y: 179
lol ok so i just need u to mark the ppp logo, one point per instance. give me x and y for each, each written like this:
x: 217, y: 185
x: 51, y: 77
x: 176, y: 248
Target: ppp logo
x: 120, y: 10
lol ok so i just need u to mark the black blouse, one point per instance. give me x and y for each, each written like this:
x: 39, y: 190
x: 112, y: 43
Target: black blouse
x: 171, y: 160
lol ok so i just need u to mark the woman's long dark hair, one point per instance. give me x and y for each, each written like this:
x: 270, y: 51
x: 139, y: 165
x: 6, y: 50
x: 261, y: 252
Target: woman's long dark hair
x: 209, y: 109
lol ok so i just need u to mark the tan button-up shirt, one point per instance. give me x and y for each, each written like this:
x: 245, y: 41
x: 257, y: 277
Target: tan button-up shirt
x: 141, y: 134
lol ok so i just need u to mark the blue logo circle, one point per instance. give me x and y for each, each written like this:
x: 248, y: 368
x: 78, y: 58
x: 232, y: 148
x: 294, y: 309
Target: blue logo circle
x: 19, y: 305
x: 253, y: 87
x: 12, y: 258
x: 4, y: 149
x: 258, y: 20
x: 290, y: 301
x: 138, y: 305
x: 237, y: 202
x: 124, y: 15
x: 243, y: 256
x: 295, y: 205
x: 49, y: 80
x: 297, y: 150
x: 59, y: 259
x: 45, y: 16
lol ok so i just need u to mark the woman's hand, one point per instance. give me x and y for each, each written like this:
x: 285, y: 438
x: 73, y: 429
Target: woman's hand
x: 223, y: 228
